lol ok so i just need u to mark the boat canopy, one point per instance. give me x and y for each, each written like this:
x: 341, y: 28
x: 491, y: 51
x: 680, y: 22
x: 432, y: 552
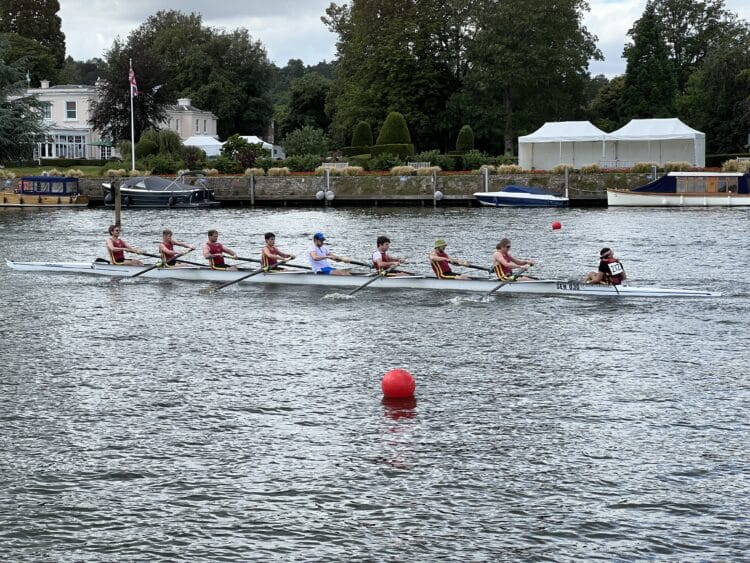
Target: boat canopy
x: 527, y: 190
x: 57, y: 185
x: 158, y: 184
x: 697, y: 182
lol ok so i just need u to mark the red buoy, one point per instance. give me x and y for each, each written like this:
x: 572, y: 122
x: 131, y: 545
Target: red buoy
x: 556, y: 225
x: 398, y: 384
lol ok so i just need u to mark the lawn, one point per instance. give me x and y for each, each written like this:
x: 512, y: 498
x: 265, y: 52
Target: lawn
x: 95, y: 171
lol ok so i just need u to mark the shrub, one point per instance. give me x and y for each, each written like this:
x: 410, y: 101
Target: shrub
x: 145, y: 147
x: 474, y: 159
x: 362, y: 135
x: 278, y: 171
x: 300, y: 163
x: 427, y: 156
x: 429, y: 171
x: 74, y: 173
x: 403, y: 170
x: 7, y: 175
x: 355, y: 150
x: 360, y: 161
x: 125, y: 148
x: 465, y: 139
x: 677, y: 166
x: 159, y: 164
x: 384, y: 161
x: 255, y: 172
x: 265, y: 163
x: 735, y: 165
x: 394, y: 131
x: 401, y: 150
x: 306, y: 140
x: 135, y: 173
x: 560, y: 168
x: 194, y: 158
x: 52, y: 172
x: 210, y: 171
x: 352, y: 171
x: 226, y: 165
x: 489, y: 167
x: 643, y: 167
x: 115, y: 173
x: 509, y: 169
x: 592, y: 168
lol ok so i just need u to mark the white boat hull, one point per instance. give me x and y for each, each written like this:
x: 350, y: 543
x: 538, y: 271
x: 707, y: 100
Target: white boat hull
x: 536, y: 287
x: 653, y: 199
x: 516, y: 199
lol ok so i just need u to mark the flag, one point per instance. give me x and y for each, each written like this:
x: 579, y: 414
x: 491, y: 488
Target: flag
x: 133, y: 85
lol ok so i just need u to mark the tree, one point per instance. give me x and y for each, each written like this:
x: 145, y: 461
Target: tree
x: 36, y: 20
x: 110, y: 113
x: 306, y: 140
x: 80, y: 72
x: 29, y: 56
x: 307, y: 99
x: 528, y: 65
x: 650, y: 85
x: 605, y: 110
x: 465, y: 140
x: 21, y: 123
x: 717, y: 98
x: 394, y: 131
x: 690, y: 28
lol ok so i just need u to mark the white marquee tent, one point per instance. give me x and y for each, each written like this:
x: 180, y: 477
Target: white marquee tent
x: 211, y: 146
x: 570, y: 142
x: 276, y: 151
x: 656, y: 140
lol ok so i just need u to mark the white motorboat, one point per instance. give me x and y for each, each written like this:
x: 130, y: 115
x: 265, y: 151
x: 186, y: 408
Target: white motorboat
x: 688, y: 189
x: 475, y: 285
x: 522, y: 196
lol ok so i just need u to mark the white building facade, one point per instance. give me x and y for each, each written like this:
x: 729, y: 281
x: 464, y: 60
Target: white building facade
x: 187, y: 120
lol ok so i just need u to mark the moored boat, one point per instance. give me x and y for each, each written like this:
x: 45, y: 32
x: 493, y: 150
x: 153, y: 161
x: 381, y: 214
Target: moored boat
x: 688, y: 189
x: 43, y: 192
x: 154, y: 191
x: 475, y: 285
x: 522, y: 196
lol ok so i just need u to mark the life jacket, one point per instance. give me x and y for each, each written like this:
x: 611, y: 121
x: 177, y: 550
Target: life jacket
x: 615, y: 271
x: 441, y: 267
x: 117, y: 256
x: 216, y: 262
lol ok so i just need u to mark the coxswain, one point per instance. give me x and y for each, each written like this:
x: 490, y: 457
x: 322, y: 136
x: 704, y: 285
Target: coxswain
x: 214, y: 251
x: 503, y: 262
x: 270, y: 254
x: 440, y: 262
x: 610, y: 269
x: 168, y: 254
x: 381, y: 261
x: 116, y: 248
x: 318, y: 256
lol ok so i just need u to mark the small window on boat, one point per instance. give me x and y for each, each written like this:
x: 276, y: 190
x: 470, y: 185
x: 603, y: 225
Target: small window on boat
x: 728, y: 184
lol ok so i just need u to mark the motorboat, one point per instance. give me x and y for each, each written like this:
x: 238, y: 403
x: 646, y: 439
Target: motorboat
x: 688, y: 189
x: 43, y: 192
x: 155, y: 191
x: 522, y: 196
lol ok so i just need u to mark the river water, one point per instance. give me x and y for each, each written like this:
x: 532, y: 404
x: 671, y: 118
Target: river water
x: 148, y: 420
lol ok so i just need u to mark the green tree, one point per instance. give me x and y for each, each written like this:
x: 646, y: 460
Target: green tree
x: 306, y: 140
x: 650, y: 84
x: 394, y: 131
x: 717, y: 100
x: 21, y: 123
x: 362, y: 135
x: 80, y: 72
x: 465, y: 139
x: 691, y: 28
x: 37, y: 20
x: 528, y: 65
x: 307, y: 99
x: 605, y: 110
x: 30, y: 57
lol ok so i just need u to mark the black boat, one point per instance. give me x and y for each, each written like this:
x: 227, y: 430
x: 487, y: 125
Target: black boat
x: 154, y: 191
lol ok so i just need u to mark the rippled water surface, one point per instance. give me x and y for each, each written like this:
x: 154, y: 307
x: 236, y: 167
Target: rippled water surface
x: 148, y: 420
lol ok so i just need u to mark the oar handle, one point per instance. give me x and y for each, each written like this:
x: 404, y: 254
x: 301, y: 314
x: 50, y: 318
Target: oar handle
x: 374, y: 279
x: 466, y: 264
x: 255, y: 260
x: 250, y: 275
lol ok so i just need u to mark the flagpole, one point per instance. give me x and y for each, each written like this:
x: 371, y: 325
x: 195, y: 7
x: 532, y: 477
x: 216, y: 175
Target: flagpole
x: 132, y: 123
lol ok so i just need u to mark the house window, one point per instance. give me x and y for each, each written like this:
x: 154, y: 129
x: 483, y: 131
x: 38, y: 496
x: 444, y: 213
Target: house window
x: 177, y: 125
x: 204, y: 125
x: 47, y: 110
x: 197, y: 127
x: 71, y: 111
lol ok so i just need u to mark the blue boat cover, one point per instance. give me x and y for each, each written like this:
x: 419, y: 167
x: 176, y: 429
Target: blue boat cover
x: 528, y: 190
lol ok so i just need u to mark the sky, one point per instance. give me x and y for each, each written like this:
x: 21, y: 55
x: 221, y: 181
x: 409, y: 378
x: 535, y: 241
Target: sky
x: 291, y: 29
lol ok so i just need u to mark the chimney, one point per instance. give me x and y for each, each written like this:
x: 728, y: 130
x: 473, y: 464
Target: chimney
x: 45, y: 84
x: 183, y: 101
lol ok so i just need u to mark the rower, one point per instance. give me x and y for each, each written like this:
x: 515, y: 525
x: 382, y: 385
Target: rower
x: 166, y: 249
x: 610, y: 269
x: 381, y: 261
x: 214, y: 252
x: 440, y: 262
x: 270, y: 254
x: 318, y: 258
x: 116, y: 248
x: 503, y: 262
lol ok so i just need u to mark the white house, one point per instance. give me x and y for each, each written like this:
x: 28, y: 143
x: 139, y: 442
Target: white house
x: 66, y: 110
x: 187, y: 120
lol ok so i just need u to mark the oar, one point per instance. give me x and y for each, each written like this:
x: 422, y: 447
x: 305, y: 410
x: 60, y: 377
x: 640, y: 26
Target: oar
x: 376, y: 278
x: 261, y: 261
x: 178, y: 260
x: 512, y: 278
x: 158, y: 264
x: 467, y: 265
x: 238, y: 280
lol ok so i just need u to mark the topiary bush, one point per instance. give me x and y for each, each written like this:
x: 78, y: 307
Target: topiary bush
x: 401, y: 150
x: 394, y: 131
x: 362, y: 136
x: 465, y: 140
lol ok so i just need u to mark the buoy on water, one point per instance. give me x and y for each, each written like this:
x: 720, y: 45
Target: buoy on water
x: 398, y: 384
x: 556, y: 225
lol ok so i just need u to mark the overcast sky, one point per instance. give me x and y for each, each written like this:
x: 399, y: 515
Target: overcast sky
x: 291, y: 29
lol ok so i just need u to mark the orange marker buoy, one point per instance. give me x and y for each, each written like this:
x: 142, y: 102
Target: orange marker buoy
x: 398, y: 384
x: 556, y: 225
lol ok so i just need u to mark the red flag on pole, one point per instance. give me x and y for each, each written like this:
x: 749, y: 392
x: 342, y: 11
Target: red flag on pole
x: 133, y: 85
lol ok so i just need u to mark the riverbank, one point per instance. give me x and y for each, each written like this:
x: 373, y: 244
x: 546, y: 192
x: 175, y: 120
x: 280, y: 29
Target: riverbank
x: 584, y: 190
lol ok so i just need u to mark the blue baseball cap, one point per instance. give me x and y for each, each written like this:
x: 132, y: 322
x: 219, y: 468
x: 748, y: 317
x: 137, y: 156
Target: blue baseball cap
x: 319, y: 236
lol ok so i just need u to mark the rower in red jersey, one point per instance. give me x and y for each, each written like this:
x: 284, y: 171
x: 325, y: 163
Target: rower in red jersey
x: 214, y: 252
x: 270, y: 254
x: 168, y: 254
x: 440, y: 262
x: 381, y: 261
x: 116, y: 248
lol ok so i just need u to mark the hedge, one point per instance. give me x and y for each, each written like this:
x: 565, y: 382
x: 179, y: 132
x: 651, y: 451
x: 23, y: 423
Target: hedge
x: 401, y: 150
x: 355, y: 150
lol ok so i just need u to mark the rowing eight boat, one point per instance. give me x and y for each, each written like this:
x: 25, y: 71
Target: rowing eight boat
x: 537, y: 287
